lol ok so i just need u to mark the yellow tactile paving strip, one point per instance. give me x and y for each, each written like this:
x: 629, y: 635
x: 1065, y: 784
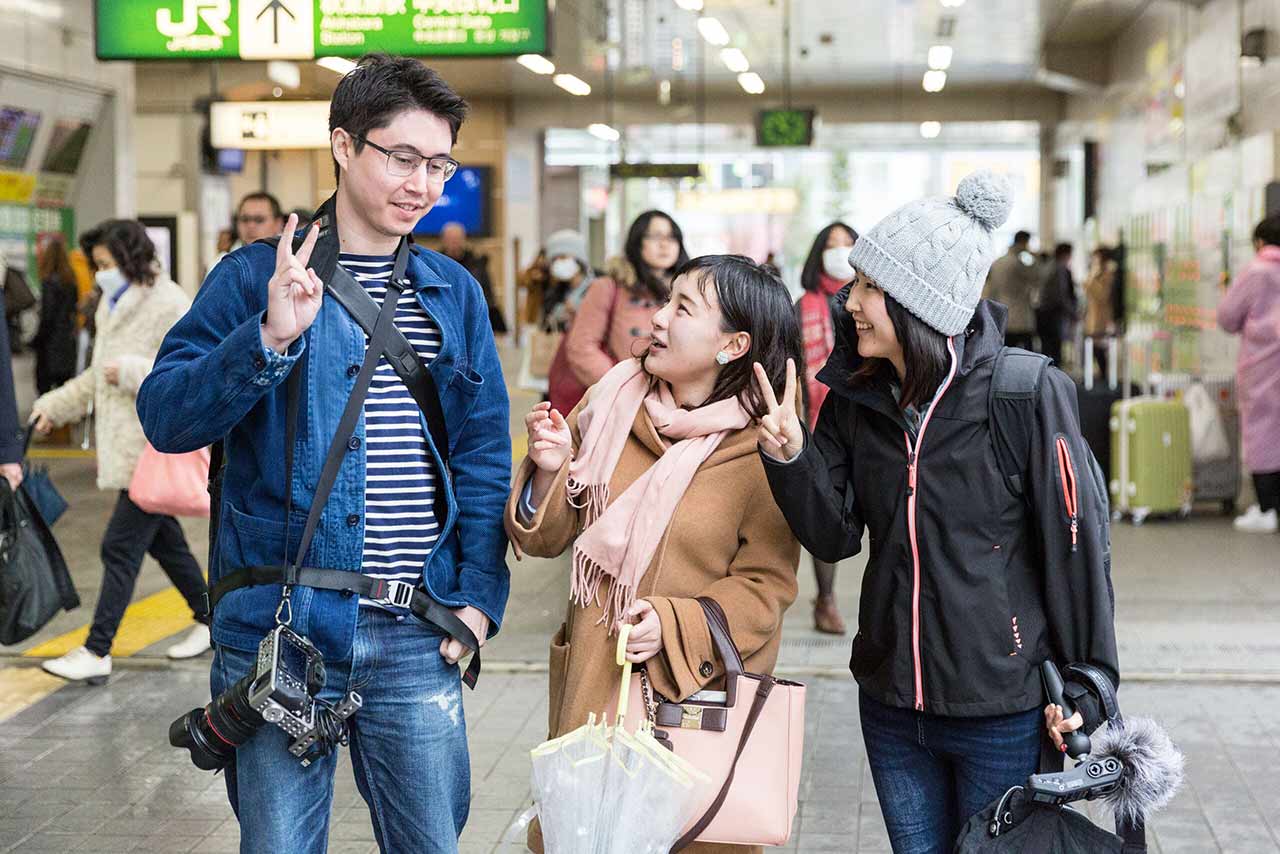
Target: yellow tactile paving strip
x: 22, y: 686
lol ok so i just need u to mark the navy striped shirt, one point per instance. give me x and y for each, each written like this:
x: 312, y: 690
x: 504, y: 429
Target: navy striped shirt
x: 400, y: 524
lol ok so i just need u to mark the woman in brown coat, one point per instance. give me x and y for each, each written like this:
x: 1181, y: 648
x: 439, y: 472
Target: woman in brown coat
x: 654, y: 481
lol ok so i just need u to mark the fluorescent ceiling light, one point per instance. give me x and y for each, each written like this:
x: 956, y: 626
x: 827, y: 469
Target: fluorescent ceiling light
x: 751, y: 83
x: 336, y: 63
x: 735, y: 60
x: 36, y: 8
x: 713, y: 31
x: 930, y: 130
x: 536, y: 63
x: 934, y: 80
x: 286, y: 74
x: 952, y: 4
x: 572, y: 85
x: 690, y: 5
x: 940, y: 57
x: 603, y: 131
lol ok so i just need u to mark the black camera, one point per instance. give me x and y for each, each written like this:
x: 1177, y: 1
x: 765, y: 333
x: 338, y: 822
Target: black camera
x: 281, y: 690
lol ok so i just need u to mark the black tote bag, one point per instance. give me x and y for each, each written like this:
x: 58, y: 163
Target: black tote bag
x: 34, y: 581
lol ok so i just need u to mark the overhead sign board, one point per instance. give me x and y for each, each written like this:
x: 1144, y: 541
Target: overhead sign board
x: 306, y: 29
x: 655, y: 170
x: 269, y: 125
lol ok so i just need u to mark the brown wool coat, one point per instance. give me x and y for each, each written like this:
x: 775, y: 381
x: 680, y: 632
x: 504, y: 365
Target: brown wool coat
x: 727, y: 540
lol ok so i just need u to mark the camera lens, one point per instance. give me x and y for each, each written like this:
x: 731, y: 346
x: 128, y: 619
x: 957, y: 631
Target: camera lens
x: 213, y: 733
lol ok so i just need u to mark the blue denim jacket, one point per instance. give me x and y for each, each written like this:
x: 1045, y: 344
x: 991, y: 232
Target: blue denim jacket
x: 214, y: 379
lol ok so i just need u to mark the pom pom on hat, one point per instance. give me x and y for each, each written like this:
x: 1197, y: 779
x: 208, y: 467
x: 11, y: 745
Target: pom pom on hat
x: 986, y: 197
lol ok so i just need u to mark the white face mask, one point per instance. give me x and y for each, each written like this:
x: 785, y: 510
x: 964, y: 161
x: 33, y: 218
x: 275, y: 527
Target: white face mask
x: 564, y: 269
x: 835, y: 263
x: 109, y: 280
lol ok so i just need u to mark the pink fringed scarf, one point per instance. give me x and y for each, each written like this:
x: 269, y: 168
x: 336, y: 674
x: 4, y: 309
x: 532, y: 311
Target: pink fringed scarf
x: 620, y: 539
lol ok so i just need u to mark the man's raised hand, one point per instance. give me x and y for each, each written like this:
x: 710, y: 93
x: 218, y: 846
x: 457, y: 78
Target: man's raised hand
x: 294, y: 293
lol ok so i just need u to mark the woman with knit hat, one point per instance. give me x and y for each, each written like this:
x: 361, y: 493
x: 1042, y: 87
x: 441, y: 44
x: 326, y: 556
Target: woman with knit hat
x: 970, y: 585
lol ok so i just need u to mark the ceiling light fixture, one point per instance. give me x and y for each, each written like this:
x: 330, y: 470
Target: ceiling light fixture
x: 735, y: 60
x: 940, y: 57
x: 664, y: 92
x: 572, y: 85
x: 930, y: 130
x: 934, y: 80
x: 952, y: 4
x: 713, y: 31
x: 336, y: 64
x: 603, y: 131
x: 751, y: 83
x: 537, y: 63
x: 690, y: 5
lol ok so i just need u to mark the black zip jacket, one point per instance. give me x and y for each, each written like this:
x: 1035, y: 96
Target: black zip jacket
x: 956, y: 617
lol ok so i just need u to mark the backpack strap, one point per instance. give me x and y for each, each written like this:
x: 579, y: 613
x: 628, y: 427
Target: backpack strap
x: 1011, y: 408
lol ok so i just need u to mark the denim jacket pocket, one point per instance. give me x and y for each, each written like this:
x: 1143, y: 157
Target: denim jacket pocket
x: 459, y: 399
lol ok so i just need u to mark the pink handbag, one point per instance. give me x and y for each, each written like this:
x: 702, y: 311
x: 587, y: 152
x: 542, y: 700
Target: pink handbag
x: 171, y: 484
x: 751, y: 745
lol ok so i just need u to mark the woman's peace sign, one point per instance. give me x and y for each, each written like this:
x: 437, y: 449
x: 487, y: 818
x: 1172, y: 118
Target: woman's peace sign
x: 779, y: 432
x: 294, y: 292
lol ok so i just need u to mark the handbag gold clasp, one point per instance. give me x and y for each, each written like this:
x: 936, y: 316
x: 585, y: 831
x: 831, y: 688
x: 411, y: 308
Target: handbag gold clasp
x: 690, y: 717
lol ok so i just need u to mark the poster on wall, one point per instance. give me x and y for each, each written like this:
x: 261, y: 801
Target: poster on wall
x: 308, y: 29
x: 17, y: 132
x: 66, y: 147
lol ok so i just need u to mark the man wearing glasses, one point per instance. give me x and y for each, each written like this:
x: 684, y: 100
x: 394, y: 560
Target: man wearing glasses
x: 412, y: 515
x: 259, y: 215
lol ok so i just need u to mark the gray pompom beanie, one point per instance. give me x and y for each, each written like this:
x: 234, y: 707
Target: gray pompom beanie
x: 932, y: 255
x: 566, y: 241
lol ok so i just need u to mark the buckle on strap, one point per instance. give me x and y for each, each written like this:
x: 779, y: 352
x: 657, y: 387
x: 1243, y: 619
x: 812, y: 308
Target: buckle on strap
x: 392, y: 592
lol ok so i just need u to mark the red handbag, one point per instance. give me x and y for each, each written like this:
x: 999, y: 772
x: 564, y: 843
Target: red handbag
x: 171, y: 484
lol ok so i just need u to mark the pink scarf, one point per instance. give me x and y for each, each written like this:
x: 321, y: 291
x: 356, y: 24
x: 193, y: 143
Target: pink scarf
x: 620, y: 539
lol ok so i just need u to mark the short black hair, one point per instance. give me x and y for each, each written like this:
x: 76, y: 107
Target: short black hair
x: 813, y: 263
x: 1268, y: 231
x: 381, y: 87
x: 132, y: 249
x: 263, y: 196
x: 1063, y: 250
x: 1022, y: 237
x: 753, y: 300
x: 647, y: 279
x: 90, y: 239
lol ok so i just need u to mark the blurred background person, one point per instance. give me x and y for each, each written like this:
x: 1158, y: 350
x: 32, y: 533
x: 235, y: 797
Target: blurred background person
x: 826, y: 271
x: 258, y: 215
x: 55, y: 339
x: 569, y: 275
x: 1014, y: 283
x: 1251, y: 309
x: 1057, y: 305
x: 139, y: 304
x: 1098, y: 287
x: 453, y: 242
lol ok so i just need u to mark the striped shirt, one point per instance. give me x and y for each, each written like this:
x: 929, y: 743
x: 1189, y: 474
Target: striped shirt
x: 400, y: 524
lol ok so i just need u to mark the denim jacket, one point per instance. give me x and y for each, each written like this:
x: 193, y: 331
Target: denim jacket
x: 213, y: 379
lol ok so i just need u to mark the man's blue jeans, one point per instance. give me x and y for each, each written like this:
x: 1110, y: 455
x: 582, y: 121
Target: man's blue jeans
x: 933, y: 773
x: 408, y: 748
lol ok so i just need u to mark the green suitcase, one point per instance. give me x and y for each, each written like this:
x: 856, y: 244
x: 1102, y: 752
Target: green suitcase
x: 1151, y: 458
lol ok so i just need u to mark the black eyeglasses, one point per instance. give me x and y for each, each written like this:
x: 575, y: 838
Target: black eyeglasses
x: 402, y: 164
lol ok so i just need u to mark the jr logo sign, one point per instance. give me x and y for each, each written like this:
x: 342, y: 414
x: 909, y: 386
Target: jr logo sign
x: 214, y: 14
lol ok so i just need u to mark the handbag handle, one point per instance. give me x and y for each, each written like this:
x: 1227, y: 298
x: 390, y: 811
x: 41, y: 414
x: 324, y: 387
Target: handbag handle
x: 719, y: 626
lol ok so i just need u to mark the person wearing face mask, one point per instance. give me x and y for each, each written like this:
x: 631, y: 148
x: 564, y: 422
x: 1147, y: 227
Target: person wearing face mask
x: 976, y: 576
x: 613, y: 322
x: 826, y: 271
x: 654, y: 482
x: 139, y: 305
x: 568, y: 276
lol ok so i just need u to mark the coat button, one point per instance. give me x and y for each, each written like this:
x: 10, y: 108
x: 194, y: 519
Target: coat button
x: 706, y: 670
x: 259, y: 363
x: 353, y: 520
x: 353, y: 370
x: 354, y: 443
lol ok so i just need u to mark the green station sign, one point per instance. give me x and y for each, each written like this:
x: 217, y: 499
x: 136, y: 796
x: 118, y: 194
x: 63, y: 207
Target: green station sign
x: 776, y: 128
x: 307, y: 29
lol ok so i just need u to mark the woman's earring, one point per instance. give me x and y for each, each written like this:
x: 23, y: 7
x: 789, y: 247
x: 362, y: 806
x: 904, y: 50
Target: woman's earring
x: 722, y: 358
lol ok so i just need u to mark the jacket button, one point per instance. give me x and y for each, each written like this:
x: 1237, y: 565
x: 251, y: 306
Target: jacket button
x: 353, y: 520
x: 259, y: 363
x: 353, y: 370
x: 354, y: 443
x: 706, y: 670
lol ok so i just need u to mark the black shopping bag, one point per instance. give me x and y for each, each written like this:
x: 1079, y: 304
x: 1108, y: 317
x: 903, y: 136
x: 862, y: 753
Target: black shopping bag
x: 34, y: 581
x: 1014, y: 825
x: 39, y: 487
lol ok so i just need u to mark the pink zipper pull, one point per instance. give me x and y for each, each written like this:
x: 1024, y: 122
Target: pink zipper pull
x: 1075, y: 529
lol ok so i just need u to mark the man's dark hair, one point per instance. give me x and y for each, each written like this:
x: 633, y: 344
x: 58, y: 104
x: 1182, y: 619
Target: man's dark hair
x: 1022, y: 237
x: 1268, y: 231
x: 753, y: 300
x: 646, y: 278
x: 813, y: 263
x: 381, y: 87
x: 1062, y: 250
x: 129, y: 245
x: 262, y: 196
x: 924, y: 355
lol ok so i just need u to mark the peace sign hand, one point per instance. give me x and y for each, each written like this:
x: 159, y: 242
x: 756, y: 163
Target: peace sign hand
x: 779, y: 432
x: 294, y: 292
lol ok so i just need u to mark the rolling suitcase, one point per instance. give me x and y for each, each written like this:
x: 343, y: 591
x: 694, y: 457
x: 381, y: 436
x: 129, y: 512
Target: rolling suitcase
x: 1151, y: 457
x: 1213, y: 480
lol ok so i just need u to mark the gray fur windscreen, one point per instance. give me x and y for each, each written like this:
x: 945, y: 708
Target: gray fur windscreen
x: 1153, y: 767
